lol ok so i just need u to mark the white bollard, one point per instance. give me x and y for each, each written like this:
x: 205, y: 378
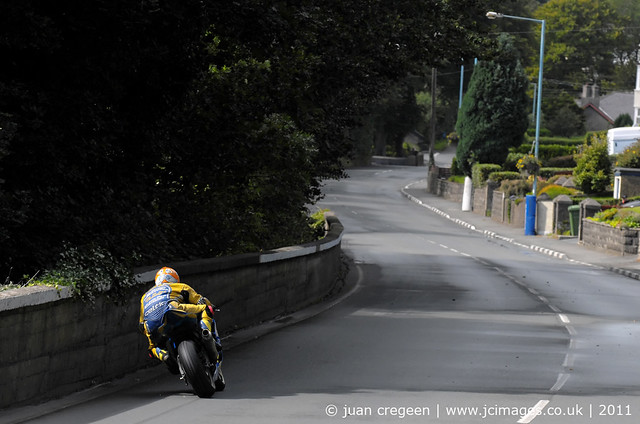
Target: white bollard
x: 466, y: 195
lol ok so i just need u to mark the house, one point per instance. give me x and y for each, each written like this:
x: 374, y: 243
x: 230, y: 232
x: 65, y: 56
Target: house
x: 601, y: 111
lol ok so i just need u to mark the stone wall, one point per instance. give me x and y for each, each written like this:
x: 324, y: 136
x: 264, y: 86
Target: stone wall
x: 451, y: 191
x: 498, y: 207
x: 51, y: 348
x: 602, y: 236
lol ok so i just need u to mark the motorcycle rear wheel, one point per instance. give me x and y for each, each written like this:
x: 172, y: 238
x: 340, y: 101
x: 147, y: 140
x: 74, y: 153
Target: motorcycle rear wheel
x: 198, y: 375
x: 220, y: 383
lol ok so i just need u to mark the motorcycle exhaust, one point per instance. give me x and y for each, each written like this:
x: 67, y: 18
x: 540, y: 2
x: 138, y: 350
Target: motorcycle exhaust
x: 209, y: 345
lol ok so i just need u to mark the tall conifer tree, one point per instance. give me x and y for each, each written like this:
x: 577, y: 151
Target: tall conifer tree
x: 494, y: 115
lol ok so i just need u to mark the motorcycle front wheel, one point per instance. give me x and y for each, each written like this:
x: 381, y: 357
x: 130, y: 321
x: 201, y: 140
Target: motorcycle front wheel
x: 197, y: 374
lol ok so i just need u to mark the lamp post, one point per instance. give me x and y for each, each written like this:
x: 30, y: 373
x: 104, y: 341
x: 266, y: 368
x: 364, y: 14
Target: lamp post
x: 530, y: 223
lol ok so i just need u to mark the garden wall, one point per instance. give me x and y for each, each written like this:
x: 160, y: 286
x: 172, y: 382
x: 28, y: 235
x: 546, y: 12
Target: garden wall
x: 602, y: 236
x: 53, y: 344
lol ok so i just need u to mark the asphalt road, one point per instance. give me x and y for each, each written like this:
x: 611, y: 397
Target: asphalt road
x: 441, y: 324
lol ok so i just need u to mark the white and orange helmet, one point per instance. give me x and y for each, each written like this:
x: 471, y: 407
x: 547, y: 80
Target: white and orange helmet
x: 167, y: 275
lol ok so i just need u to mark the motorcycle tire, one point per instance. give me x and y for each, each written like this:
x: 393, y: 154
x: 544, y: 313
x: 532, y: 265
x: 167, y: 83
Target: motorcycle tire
x: 197, y: 374
x: 220, y: 383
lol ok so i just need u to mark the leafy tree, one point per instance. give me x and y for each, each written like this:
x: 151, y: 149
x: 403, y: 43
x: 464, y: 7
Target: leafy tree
x: 190, y: 128
x: 579, y: 39
x: 493, y: 116
x: 593, y: 168
x: 396, y: 115
x: 623, y: 120
x: 627, y: 52
x: 561, y: 115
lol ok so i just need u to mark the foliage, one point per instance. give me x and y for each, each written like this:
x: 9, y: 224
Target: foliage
x: 593, y: 168
x: 630, y: 158
x: 457, y: 179
x: 566, y: 161
x: 550, y: 172
x: 455, y: 169
x: 566, y: 141
x: 561, y: 115
x: 511, y: 160
x: 593, y: 137
x: 623, y: 120
x: 453, y: 138
x: 554, y: 190
x: 195, y: 128
x: 481, y: 172
x: 577, y: 48
x: 619, y: 218
x: 318, y: 223
x: 548, y: 151
x: 493, y: 116
x: 395, y: 116
x: 89, y: 271
x: 518, y: 187
x: 528, y: 164
x: 498, y: 177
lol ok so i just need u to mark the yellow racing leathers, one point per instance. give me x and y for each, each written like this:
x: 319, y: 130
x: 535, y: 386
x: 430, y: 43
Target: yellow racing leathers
x: 176, y: 301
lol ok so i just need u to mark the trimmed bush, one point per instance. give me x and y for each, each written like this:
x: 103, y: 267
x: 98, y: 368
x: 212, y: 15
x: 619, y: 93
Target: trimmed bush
x: 480, y: 172
x: 548, y: 151
x: 515, y: 187
x: 592, y: 172
x: 554, y: 190
x: 550, y: 172
x: 498, y: 177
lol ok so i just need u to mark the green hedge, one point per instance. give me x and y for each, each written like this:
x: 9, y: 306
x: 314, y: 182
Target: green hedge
x: 548, y: 151
x: 550, y: 172
x: 481, y: 171
x: 500, y: 176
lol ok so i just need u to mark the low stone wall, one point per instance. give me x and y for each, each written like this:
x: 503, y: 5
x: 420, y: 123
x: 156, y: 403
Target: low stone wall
x: 451, y: 191
x: 53, y: 344
x: 481, y: 200
x: 601, y: 236
x: 517, y: 212
x: 498, y: 207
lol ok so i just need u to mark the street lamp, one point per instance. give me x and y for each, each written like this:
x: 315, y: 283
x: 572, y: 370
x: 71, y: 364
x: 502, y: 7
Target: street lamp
x: 531, y: 203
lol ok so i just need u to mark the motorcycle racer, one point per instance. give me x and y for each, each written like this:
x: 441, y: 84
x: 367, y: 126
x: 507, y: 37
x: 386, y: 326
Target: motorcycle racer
x: 167, y: 305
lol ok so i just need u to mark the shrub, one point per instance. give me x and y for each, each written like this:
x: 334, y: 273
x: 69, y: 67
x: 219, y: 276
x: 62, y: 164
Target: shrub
x: 567, y: 161
x: 515, y: 187
x: 498, y: 177
x: 594, y: 136
x: 89, y: 271
x: 511, y: 161
x: 623, y: 120
x: 480, y: 172
x: 619, y: 218
x: 548, y: 151
x: 592, y: 172
x: 554, y: 190
x: 455, y: 169
x: 550, y: 172
x: 630, y: 158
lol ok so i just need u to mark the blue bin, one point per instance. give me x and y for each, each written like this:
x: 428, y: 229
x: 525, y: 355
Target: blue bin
x: 530, y: 215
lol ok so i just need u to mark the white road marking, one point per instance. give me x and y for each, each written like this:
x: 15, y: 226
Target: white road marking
x: 534, y: 412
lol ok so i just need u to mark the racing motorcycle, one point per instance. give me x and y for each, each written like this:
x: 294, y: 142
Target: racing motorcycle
x: 194, y: 357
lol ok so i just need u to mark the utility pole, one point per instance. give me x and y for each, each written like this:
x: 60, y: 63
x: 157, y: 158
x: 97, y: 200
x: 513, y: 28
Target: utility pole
x: 432, y: 140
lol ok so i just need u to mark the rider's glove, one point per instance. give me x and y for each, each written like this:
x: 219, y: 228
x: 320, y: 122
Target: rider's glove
x: 209, y: 311
x: 161, y: 354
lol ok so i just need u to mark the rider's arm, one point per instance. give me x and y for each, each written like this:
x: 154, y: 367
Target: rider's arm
x: 189, y: 295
